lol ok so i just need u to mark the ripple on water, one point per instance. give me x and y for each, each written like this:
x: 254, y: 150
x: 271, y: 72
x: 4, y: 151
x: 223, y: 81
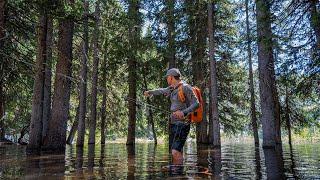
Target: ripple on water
x: 115, y: 161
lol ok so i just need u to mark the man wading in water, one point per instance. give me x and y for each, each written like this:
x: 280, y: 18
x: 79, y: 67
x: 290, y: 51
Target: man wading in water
x: 179, y: 128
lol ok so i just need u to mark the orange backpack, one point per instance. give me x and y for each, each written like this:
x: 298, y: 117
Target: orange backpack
x: 195, y: 116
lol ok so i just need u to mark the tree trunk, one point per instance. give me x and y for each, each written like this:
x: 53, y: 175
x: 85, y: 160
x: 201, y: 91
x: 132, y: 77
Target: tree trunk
x: 2, y: 39
x: 215, y: 140
x: 266, y: 74
x: 132, y: 65
x: 23, y: 131
x: 56, y: 135
x: 104, y: 101
x: 197, y: 17
x: 93, y: 117
x: 83, y: 82
x: 73, y: 128
x: 2, y: 128
x: 47, y: 82
x: 287, y: 117
x: 36, y: 124
x: 315, y: 21
x: 170, y: 21
x: 149, y: 113
x: 251, y: 85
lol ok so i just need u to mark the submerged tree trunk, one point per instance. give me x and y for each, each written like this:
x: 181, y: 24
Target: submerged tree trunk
x: 56, y: 135
x: 170, y: 21
x: 215, y: 135
x: 36, y: 124
x: 133, y: 12
x: 73, y: 128
x: 83, y: 76
x: 251, y: 85
x: 47, y: 82
x: 93, y: 117
x: 266, y: 74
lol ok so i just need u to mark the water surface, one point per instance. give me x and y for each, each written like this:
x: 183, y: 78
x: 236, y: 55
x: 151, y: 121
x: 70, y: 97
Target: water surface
x: 146, y: 161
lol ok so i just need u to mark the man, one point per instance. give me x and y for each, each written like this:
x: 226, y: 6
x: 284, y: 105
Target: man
x: 179, y: 128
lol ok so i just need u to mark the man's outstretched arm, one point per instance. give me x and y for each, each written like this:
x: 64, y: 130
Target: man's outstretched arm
x: 160, y: 91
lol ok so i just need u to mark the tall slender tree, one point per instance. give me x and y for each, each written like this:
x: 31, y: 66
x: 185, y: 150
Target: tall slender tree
x: 266, y: 73
x: 315, y: 21
x: 36, y: 125
x: 93, y: 117
x: 56, y: 135
x: 170, y: 21
x: 134, y: 30
x: 47, y: 79
x: 73, y: 128
x: 83, y: 76
x: 2, y: 39
x: 214, y: 126
x: 251, y: 85
x: 104, y: 99
x: 198, y: 30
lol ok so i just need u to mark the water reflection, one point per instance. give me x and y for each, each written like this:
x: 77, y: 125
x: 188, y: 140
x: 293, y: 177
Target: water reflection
x: 274, y: 163
x: 146, y: 161
x: 131, y: 161
x: 257, y: 162
x: 215, y: 164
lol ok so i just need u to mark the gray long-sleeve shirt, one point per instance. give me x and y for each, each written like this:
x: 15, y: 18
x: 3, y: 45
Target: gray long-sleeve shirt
x: 191, y: 103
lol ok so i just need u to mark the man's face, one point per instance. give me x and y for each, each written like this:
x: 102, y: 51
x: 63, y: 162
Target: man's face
x: 169, y: 80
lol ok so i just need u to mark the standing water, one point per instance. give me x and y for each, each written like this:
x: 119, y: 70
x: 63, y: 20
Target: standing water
x: 146, y: 161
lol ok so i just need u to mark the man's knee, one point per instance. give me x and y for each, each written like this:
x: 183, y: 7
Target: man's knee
x: 176, y: 153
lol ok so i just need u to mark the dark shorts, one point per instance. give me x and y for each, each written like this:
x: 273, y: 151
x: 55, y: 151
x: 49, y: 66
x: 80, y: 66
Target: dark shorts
x: 178, y: 135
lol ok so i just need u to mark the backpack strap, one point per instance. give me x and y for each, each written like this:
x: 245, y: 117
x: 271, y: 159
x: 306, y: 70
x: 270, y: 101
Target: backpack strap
x: 181, y: 96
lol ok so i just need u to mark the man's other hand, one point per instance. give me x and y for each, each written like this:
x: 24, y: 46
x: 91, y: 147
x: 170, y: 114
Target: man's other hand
x: 178, y: 114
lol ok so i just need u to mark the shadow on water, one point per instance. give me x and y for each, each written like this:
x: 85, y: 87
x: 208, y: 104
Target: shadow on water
x: 274, y: 163
x: 146, y: 161
x: 131, y: 161
x: 257, y: 162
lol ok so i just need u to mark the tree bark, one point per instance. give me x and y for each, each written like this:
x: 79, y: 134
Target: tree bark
x: 56, y: 135
x: 215, y: 135
x: 83, y: 82
x: 251, y: 85
x: 266, y: 73
x: 23, y: 132
x: 149, y: 113
x: 47, y: 82
x: 170, y: 21
x: 198, y: 31
x: 132, y: 65
x: 315, y: 21
x: 287, y: 117
x: 2, y: 128
x: 36, y: 124
x: 73, y: 128
x: 93, y: 117
x: 2, y: 40
x: 104, y: 101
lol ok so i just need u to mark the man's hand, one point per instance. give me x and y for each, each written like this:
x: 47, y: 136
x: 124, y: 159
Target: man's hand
x: 146, y: 93
x: 178, y: 114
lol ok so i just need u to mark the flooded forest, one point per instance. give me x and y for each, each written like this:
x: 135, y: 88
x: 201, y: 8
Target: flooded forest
x: 159, y: 89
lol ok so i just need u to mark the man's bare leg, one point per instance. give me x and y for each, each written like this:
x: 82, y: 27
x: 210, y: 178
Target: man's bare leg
x: 177, y: 157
